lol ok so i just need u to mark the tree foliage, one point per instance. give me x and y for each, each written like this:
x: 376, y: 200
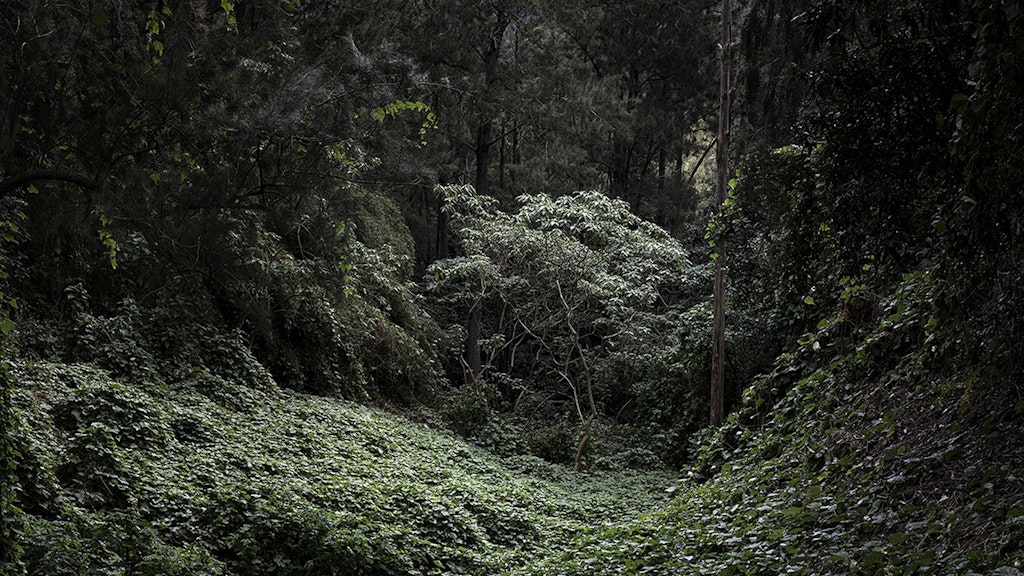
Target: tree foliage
x: 215, y: 155
x: 586, y: 308
x: 866, y: 177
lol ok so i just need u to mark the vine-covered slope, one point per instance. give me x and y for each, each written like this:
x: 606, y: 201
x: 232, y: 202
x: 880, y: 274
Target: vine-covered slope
x: 873, y: 449
x: 201, y: 474
x: 877, y: 447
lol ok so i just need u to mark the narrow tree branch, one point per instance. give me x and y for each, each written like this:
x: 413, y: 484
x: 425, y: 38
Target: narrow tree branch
x: 702, y: 157
x: 45, y: 174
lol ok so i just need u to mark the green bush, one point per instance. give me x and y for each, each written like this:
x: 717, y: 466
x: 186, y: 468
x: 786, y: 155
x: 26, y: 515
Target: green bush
x: 578, y: 299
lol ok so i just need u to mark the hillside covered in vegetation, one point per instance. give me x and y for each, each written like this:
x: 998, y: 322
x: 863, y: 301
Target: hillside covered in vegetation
x: 421, y: 287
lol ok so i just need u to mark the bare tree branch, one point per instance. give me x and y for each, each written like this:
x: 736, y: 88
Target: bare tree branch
x: 45, y: 174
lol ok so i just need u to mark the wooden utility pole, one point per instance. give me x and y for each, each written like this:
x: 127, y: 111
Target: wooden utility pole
x: 722, y: 157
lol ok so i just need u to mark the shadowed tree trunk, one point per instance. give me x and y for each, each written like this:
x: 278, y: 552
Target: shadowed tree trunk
x: 483, y: 157
x: 722, y: 155
x: 484, y: 143
x: 473, y: 357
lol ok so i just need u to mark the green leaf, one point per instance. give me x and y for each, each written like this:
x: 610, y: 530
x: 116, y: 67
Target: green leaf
x: 229, y: 12
x: 6, y: 325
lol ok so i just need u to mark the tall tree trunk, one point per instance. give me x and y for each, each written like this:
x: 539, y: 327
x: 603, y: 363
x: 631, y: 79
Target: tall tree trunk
x: 483, y: 157
x: 442, y: 231
x: 483, y: 161
x: 515, y: 154
x: 501, y: 156
x: 661, y: 169
x: 484, y: 134
x: 722, y: 156
x: 619, y: 166
x: 474, y: 361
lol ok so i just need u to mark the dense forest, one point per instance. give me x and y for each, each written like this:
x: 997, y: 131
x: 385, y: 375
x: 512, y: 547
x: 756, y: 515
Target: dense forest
x: 423, y: 287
